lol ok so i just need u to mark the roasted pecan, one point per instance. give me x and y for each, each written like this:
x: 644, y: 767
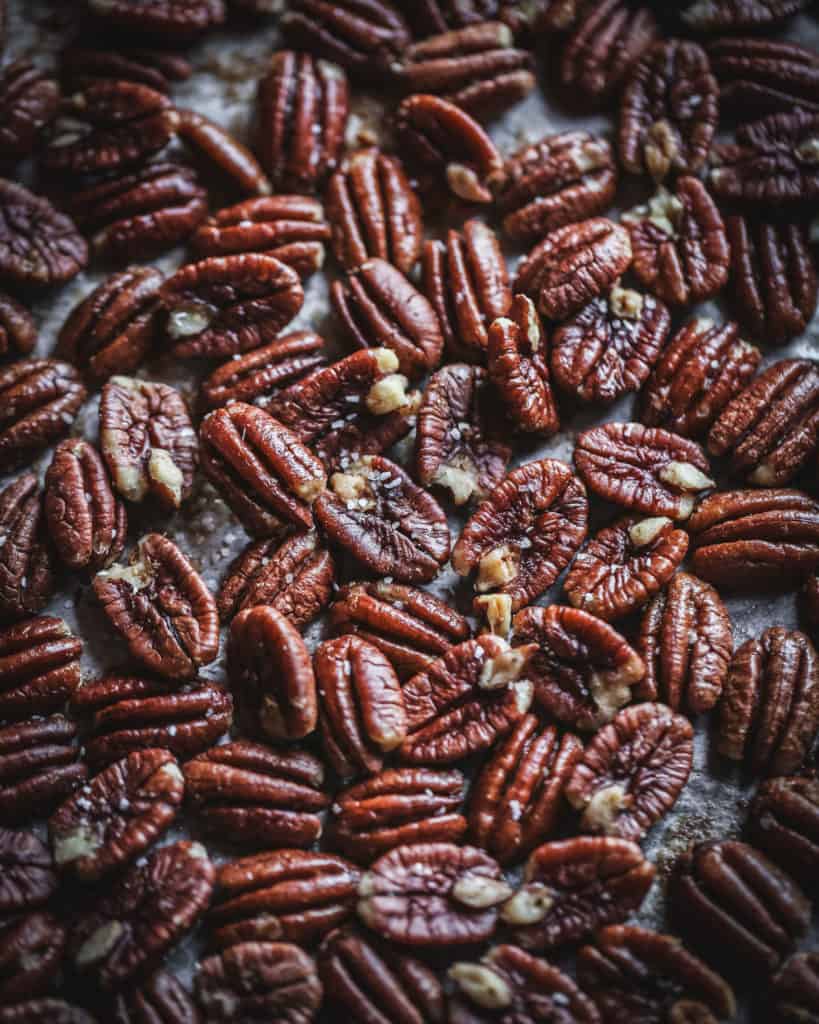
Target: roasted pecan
x: 18, y: 331
x: 35, y: 1011
x: 432, y: 16
x: 29, y: 98
x: 224, y: 305
x: 583, y: 670
x: 177, y: 20
x: 773, y: 278
x: 135, y: 713
x: 397, y: 807
x: 39, y: 667
x: 669, y: 111
x: 395, y: 528
x: 526, y: 532
x: 624, y: 565
x: 26, y: 562
x: 38, y: 767
x: 302, y: 110
x: 686, y: 641
x: 80, y: 66
x: 764, y: 75
x: 783, y: 822
x: 261, y: 468
x: 517, y: 800
x: 610, y: 346
x: 736, y: 907
x: 247, y: 793
x: 793, y: 997
x: 560, y: 15
x: 644, y: 469
x: 681, y: 250
x: 444, y: 140
x: 27, y: 879
x: 411, y: 627
x: 701, y: 369
x: 146, y: 911
x: 736, y: 15
x: 572, y: 887
x: 226, y: 153
x: 636, y: 974
x: 39, y: 246
x: 161, y: 997
x: 270, y: 671
x: 574, y: 265
x: 31, y: 952
x: 292, y: 895
x: 116, y: 816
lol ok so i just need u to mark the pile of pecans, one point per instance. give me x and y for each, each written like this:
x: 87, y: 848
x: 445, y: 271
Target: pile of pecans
x: 417, y: 819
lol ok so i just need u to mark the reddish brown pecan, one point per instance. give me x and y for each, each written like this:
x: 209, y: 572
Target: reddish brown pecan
x: 764, y: 75
x: 250, y: 794
x: 783, y: 822
x: 261, y: 468
x: 39, y: 247
x: 395, y: 528
x: 517, y: 799
x: 176, y: 20
x: 39, y: 667
x: 397, y: 807
x: 35, y: 1011
x: 669, y: 111
x: 574, y: 265
x: 27, y: 879
x: 26, y: 562
x: 18, y: 331
x: 302, y: 107
x: 38, y: 767
x: 574, y: 886
x: 736, y: 15
x: 583, y: 670
x: 161, y: 996
x: 792, y: 997
x: 701, y: 369
x: 226, y: 153
x: 80, y: 66
x: 773, y: 276
x: 31, y: 953
x: 224, y: 305
x: 610, y: 346
x: 432, y: 16
x: 29, y: 99
x: 162, y: 608
x: 147, y: 910
x: 636, y: 974
x: 625, y: 565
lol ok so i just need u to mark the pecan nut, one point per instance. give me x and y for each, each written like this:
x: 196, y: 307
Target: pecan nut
x: 39, y: 247
x: 782, y: 822
x: 29, y: 99
x: 28, y: 879
x: 226, y: 153
x: 39, y: 667
x: 38, y: 767
x: 177, y: 20
x: 162, y: 996
x: 35, y: 1011
x: 81, y: 66
x: 792, y: 996
x: 26, y: 562
x: 764, y: 75
x: 736, y: 15
x: 18, y: 331
x: 32, y: 951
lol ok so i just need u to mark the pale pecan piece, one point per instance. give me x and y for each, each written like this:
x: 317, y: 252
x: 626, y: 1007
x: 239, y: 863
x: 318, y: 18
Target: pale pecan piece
x: 35, y: 1011
x: 583, y: 670
x: 610, y: 346
x: 38, y: 767
x: 783, y: 822
x: 517, y: 800
x: 161, y: 996
x: 625, y: 565
x: 39, y: 246
x: 793, y: 997
x: 27, y: 879
x: 573, y: 265
x: 81, y: 65
x: 178, y: 20
x: 397, y: 807
x: 26, y: 562
x: 250, y: 794
x: 389, y: 524
x: 31, y: 953
x: 764, y: 75
x: 116, y: 816
x: 574, y: 886
x: 734, y: 15
x: 231, y: 157
x: 29, y: 99
x: 39, y: 667
x: 699, y: 371
x: 18, y: 331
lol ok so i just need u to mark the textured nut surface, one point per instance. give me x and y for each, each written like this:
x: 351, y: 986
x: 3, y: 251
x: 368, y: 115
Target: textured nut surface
x: 39, y: 246
x: 727, y: 15
x: 225, y: 152
x: 783, y: 822
x: 764, y: 75
x: 26, y: 562
x: 18, y: 331
x: 39, y: 666
x: 28, y: 879
x: 31, y: 950
x: 29, y: 99
x: 161, y: 996
x: 38, y: 767
x: 793, y: 993
x: 81, y: 65
x: 180, y: 20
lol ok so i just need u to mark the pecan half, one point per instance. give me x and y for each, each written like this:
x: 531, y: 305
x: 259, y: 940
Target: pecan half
x: 39, y: 247
x: 177, y: 20
x: 81, y: 65
x: 18, y: 331
x: 28, y: 879
x: 792, y: 997
x: 783, y: 822
x: 35, y: 1011
x: 38, y: 767
x: 29, y: 99
x: 39, y: 667
x: 26, y: 562
x: 161, y: 995
x: 217, y: 145
x: 764, y: 75
x: 32, y: 951
x: 734, y: 15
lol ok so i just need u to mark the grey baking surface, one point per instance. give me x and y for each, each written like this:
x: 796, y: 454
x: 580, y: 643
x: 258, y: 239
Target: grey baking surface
x: 227, y: 66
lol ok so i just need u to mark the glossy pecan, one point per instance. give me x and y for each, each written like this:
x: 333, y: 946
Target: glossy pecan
x: 31, y: 952
x: 81, y: 65
x: 764, y: 75
x: 162, y: 996
x: 34, y: 1011
x: 783, y: 822
x: 18, y: 331
x: 39, y: 667
x: 39, y: 399
x: 224, y: 152
x: 39, y: 246
x: 177, y: 20
x: 29, y: 99
x: 792, y: 997
x: 28, y: 879
x: 26, y: 561
x: 734, y: 15
x: 38, y: 767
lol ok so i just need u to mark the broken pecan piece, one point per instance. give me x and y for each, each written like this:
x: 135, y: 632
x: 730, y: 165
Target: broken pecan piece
x: 38, y: 767
x: 31, y: 953
x: 18, y: 331
x: 26, y: 562
x: 764, y: 75
x: 35, y: 1011
x: 39, y: 246
x: 39, y: 667
x: 223, y: 151
x: 27, y: 879
x: 29, y: 99
x: 783, y: 822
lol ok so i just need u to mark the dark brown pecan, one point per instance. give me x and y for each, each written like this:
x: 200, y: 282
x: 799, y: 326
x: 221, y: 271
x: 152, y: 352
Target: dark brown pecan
x: 634, y: 974
x: 80, y: 66
x: 294, y: 895
x: 177, y: 20
x: 249, y: 794
x: 411, y: 627
x: 27, y: 879
x: 606, y: 41
x: 669, y: 111
x: 783, y: 822
x: 290, y: 228
x: 146, y: 911
x: 686, y: 641
x: 302, y: 110
x: 35, y: 1011
x: 270, y: 671
x: 574, y: 886
x: 361, y: 705
x: 161, y: 997
x: 18, y: 331
x: 259, y: 982
x: 432, y: 16
x: 764, y: 75
x: 701, y: 369
x: 559, y: 180
x: 771, y: 428
x: 465, y: 700
x: 224, y: 305
x: 610, y: 346
x: 443, y: 140
x: 397, y: 807
x: 625, y: 565
x: 395, y: 528
x: 135, y: 713
x: 560, y: 15
x: 29, y: 99
x: 736, y: 907
x: 644, y: 469
x: 261, y: 468
x: 31, y: 952
x: 793, y: 997
x: 681, y: 250
x: 39, y: 246
x: 226, y: 153
x: 574, y: 265
x: 517, y: 799
x: 116, y: 816
x: 38, y: 767
x: 737, y: 15
x: 39, y: 667
x: 26, y: 562
x: 583, y: 670
x: 773, y: 276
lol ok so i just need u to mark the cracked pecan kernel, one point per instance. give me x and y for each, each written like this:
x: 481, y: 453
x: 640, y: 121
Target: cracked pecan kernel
x: 39, y: 767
